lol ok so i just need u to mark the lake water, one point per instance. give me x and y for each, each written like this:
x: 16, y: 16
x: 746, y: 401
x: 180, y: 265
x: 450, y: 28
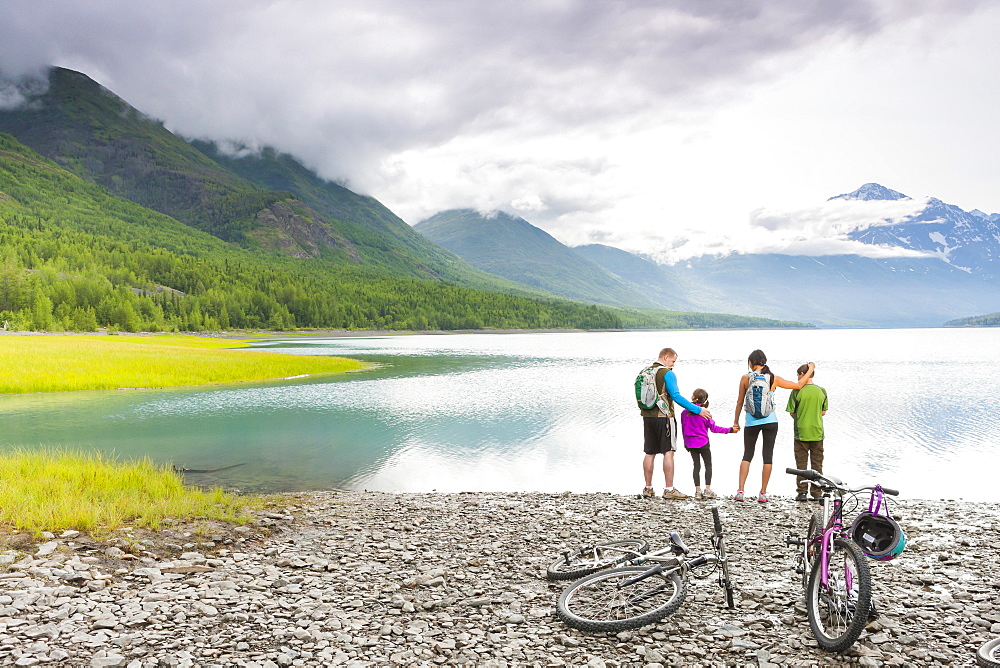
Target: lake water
x: 914, y: 409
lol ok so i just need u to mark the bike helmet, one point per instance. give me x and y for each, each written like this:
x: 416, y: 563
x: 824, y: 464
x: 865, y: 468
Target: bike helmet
x: 878, y: 536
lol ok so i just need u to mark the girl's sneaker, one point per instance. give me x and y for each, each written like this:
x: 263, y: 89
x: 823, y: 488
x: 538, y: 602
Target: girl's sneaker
x: 738, y: 496
x: 709, y: 494
x: 762, y: 498
x: 699, y: 495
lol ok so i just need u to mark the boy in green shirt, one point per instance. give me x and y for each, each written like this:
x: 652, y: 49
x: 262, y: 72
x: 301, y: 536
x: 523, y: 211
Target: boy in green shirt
x: 807, y: 407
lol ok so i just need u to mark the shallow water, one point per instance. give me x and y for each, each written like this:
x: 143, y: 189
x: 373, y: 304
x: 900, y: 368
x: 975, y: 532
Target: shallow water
x: 913, y: 409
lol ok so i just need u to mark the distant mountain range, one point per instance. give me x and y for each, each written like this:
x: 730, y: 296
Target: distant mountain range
x: 958, y: 276
x: 109, y: 219
x: 280, y: 220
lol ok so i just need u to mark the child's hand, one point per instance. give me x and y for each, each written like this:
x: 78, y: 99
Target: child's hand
x: 735, y: 429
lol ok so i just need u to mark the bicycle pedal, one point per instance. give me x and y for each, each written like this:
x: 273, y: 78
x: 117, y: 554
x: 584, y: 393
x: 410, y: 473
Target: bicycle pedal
x: 794, y: 539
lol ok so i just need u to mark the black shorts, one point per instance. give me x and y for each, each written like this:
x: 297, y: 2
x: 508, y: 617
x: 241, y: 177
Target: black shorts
x: 656, y: 435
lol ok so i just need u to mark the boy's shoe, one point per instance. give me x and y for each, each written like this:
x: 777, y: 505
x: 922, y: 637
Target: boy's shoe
x: 709, y: 494
x: 699, y: 495
x: 674, y: 494
x: 801, y: 496
x: 648, y: 492
x: 738, y: 496
x: 762, y: 498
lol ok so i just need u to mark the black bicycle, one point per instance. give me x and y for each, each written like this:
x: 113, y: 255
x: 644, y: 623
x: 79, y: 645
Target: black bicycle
x: 633, y: 596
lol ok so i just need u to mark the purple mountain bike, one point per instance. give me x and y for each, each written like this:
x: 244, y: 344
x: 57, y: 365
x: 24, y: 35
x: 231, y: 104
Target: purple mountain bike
x: 834, y: 569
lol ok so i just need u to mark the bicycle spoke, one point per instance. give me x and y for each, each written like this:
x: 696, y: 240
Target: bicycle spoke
x: 838, y: 610
x: 619, y: 599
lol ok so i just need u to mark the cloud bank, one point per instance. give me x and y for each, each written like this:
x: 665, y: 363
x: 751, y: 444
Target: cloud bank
x: 588, y: 118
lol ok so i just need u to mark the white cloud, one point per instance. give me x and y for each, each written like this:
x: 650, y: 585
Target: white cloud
x: 817, y: 230
x: 838, y: 216
x: 657, y: 124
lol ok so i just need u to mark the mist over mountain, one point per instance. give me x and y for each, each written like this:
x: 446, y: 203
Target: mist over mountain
x: 957, y: 275
x: 953, y: 275
x: 966, y: 240
x: 264, y: 201
x: 110, y: 220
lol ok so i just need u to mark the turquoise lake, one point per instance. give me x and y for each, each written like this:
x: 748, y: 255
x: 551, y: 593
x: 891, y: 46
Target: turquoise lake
x: 915, y: 409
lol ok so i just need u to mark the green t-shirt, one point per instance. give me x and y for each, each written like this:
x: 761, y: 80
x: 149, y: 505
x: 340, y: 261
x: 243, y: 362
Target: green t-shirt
x: 808, y: 405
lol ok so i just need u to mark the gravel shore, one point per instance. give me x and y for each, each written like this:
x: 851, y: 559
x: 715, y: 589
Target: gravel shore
x: 366, y: 579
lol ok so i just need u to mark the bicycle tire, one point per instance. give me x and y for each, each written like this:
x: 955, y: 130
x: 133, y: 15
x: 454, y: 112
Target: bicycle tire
x: 809, y: 550
x: 591, y: 558
x: 599, y: 603
x: 834, y: 624
x: 727, y: 583
x: 988, y: 655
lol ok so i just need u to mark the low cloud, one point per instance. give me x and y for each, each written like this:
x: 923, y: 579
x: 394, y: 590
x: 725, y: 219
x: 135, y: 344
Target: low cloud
x: 522, y: 105
x: 16, y: 92
x: 838, y: 216
x: 815, y: 231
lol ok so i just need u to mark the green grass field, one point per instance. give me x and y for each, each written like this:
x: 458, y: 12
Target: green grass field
x: 80, y: 362
x: 55, y: 491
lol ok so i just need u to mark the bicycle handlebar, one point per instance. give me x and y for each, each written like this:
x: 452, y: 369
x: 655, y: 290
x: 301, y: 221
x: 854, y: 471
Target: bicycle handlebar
x: 810, y: 474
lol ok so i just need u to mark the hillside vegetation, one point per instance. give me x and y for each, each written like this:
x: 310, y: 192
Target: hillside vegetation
x: 988, y: 320
x: 107, y: 219
x: 74, y: 257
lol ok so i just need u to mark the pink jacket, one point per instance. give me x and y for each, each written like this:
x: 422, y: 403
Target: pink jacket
x: 695, y: 429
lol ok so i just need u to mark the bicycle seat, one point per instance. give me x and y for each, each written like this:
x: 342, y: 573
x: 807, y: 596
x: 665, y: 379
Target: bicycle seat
x: 678, y: 542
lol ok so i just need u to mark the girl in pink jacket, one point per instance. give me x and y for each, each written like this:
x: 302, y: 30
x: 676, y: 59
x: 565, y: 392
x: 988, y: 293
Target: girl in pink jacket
x: 695, y: 429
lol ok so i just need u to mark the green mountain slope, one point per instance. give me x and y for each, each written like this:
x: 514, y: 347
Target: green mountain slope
x: 101, y: 138
x: 382, y: 238
x: 657, y: 282
x: 513, y: 248
x: 74, y: 256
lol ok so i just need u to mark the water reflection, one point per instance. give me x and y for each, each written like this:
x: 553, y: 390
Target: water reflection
x: 549, y: 412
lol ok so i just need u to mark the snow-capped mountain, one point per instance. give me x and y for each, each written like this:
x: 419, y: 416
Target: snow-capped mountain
x: 959, y: 272
x: 966, y: 240
x: 872, y: 191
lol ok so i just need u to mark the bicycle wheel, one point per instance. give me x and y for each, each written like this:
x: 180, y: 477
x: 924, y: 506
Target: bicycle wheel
x: 811, y: 547
x: 719, y: 543
x: 838, y: 612
x: 988, y: 655
x: 586, y: 560
x: 607, y: 601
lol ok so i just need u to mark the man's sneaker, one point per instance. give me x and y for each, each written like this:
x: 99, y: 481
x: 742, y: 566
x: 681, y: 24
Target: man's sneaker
x: 762, y: 498
x: 699, y: 495
x: 738, y: 496
x: 674, y: 494
x: 801, y: 496
x: 709, y: 494
x: 648, y: 492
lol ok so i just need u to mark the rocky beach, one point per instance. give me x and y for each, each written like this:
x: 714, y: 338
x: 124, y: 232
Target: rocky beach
x: 379, y: 579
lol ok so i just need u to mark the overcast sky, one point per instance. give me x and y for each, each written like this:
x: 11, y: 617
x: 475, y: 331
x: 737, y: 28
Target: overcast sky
x: 670, y: 127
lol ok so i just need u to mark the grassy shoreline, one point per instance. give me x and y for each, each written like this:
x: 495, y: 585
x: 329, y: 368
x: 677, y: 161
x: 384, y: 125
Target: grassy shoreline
x: 51, y: 490
x: 73, y: 362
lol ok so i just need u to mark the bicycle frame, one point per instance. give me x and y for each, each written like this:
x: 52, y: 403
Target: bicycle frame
x: 838, y: 604
x: 612, y: 597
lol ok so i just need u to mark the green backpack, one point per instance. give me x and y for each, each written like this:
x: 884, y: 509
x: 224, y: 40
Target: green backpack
x: 646, y: 395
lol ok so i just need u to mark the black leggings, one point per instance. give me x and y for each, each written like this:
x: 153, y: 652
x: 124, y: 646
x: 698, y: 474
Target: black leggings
x: 770, y: 432
x: 697, y: 454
